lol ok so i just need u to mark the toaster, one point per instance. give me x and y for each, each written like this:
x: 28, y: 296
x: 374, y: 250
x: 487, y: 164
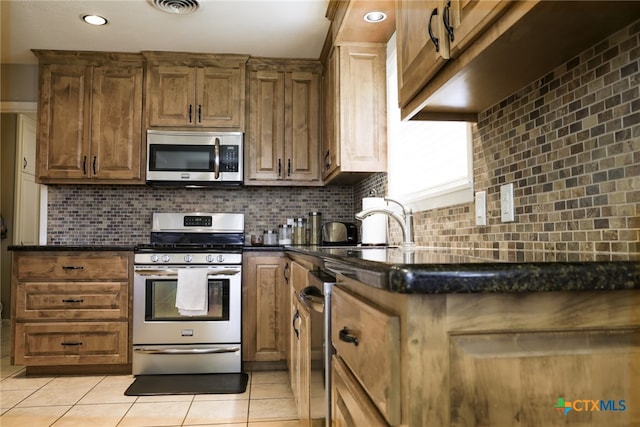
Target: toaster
x: 339, y: 233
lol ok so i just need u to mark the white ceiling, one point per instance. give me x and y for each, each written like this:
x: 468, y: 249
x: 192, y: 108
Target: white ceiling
x: 271, y: 28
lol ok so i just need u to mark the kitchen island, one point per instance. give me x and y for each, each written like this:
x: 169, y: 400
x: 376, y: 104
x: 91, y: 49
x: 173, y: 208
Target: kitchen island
x: 432, y: 339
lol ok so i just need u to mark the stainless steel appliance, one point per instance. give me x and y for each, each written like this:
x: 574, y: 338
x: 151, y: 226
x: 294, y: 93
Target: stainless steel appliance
x: 339, y: 233
x: 166, y: 341
x: 193, y: 158
x: 317, y: 297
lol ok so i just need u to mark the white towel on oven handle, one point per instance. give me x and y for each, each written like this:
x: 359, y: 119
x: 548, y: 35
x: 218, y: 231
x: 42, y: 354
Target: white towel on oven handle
x: 192, y: 292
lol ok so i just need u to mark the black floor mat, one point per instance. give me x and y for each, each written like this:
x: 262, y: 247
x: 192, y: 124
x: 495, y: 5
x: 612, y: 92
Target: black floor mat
x: 153, y: 385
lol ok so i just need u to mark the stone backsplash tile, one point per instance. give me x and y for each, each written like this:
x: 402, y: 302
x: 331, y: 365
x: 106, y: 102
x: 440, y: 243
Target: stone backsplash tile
x: 570, y: 143
x: 121, y: 215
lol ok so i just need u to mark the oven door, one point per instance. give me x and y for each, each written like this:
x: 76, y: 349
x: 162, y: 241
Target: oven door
x: 157, y: 321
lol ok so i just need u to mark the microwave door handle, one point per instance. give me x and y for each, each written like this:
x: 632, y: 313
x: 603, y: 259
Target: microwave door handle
x: 216, y: 161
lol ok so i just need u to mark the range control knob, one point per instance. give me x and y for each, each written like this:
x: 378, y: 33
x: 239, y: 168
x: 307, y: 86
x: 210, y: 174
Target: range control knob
x: 220, y: 258
x: 210, y: 258
x: 166, y: 258
x: 155, y: 258
x: 188, y: 258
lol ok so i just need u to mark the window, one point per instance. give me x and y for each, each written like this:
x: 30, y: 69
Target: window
x: 429, y: 162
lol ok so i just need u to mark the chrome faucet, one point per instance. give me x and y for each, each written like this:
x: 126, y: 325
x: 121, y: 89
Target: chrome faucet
x: 406, y: 222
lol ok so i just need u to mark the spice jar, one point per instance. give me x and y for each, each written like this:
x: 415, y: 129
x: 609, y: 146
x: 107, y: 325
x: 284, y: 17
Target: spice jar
x: 315, y: 226
x: 300, y: 232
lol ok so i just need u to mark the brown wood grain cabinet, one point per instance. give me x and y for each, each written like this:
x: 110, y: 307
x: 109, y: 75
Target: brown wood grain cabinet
x: 195, y: 90
x: 70, y: 311
x: 491, y: 359
x: 490, y: 49
x: 89, y: 117
x: 305, y: 352
x: 265, y: 307
x: 354, y: 140
x: 283, y: 130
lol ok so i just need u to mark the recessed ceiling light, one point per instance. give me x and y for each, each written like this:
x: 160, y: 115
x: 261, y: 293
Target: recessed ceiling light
x: 94, y: 19
x: 375, y: 16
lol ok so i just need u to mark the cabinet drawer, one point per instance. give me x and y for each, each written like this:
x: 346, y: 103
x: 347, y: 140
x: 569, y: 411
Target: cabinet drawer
x: 75, y: 300
x: 368, y: 340
x: 88, y: 343
x: 350, y: 404
x: 51, y: 267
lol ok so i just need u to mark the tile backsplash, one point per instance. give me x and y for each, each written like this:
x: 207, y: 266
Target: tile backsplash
x: 570, y: 144
x: 121, y: 215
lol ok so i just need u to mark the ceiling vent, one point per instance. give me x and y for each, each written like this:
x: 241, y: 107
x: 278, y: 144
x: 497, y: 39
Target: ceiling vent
x: 177, y: 7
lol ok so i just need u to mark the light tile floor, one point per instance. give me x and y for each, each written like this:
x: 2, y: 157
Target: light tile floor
x: 99, y: 401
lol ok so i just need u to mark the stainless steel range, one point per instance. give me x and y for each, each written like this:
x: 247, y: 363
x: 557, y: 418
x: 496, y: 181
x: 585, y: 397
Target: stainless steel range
x: 187, y: 295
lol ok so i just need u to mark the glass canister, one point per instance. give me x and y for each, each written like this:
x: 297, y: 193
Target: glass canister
x: 285, y: 234
x: 315, y: 227
x: 300, y: 232
x: 270, y: 238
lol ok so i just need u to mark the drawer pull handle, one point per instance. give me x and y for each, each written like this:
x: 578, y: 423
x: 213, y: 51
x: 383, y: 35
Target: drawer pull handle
x: 73, y: 343
x: 72, y: 300
x: 293, y: 323
x: 346, y: 336
x: 73, y: 267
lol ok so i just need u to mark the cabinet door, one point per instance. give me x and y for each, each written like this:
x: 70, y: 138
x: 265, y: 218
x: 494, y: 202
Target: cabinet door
x: 418, y: 58
x: 363, y: 112
x: 172, y: 95
x: 219, y: 98
x: 351, y: 407
x: 330, y: 153
x: 63, y: 132
x: 263, y: 290
x: 300, y: 369
x: 302, y: 121
x: 265, y: 133
x: 367, y: 339
x: 470, y: 18
x: 116, y: 123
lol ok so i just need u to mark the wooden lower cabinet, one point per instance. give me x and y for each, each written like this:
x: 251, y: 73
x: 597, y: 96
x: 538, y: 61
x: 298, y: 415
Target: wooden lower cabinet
x: 467, y: 360
x: 71, y: 310
x: 264, y: 307
x: 351, y: 406
x: 71, y: 343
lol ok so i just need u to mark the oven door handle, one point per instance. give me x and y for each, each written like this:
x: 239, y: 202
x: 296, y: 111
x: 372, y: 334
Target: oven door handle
x: 186, y: 350
x: 213, y: 274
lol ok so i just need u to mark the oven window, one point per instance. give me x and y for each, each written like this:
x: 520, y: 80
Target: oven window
x: 160, y: 301
x: 182, y: 158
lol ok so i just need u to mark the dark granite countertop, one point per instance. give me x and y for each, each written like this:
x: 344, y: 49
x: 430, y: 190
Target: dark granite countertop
x: 79, y: 248
x: 436, y: 271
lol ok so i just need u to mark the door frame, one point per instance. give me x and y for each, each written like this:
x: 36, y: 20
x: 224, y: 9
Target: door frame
x: 30, y: 108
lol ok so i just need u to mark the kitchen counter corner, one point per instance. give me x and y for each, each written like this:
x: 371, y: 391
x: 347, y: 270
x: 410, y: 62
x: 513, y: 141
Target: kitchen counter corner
x: 437, y: 271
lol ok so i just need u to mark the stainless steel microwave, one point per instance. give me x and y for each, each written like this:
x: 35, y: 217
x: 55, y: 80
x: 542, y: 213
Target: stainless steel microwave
x: 194, y: 159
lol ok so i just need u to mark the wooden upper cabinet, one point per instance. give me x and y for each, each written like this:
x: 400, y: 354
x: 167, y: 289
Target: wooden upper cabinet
x: 283, y: 126
x: 116, y: 131
x: 355, y: 121
x: 494, y: 49
x: 89, y: 117
x: 419, y: 26
x: 467, y: 19
x: 195, y: 90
